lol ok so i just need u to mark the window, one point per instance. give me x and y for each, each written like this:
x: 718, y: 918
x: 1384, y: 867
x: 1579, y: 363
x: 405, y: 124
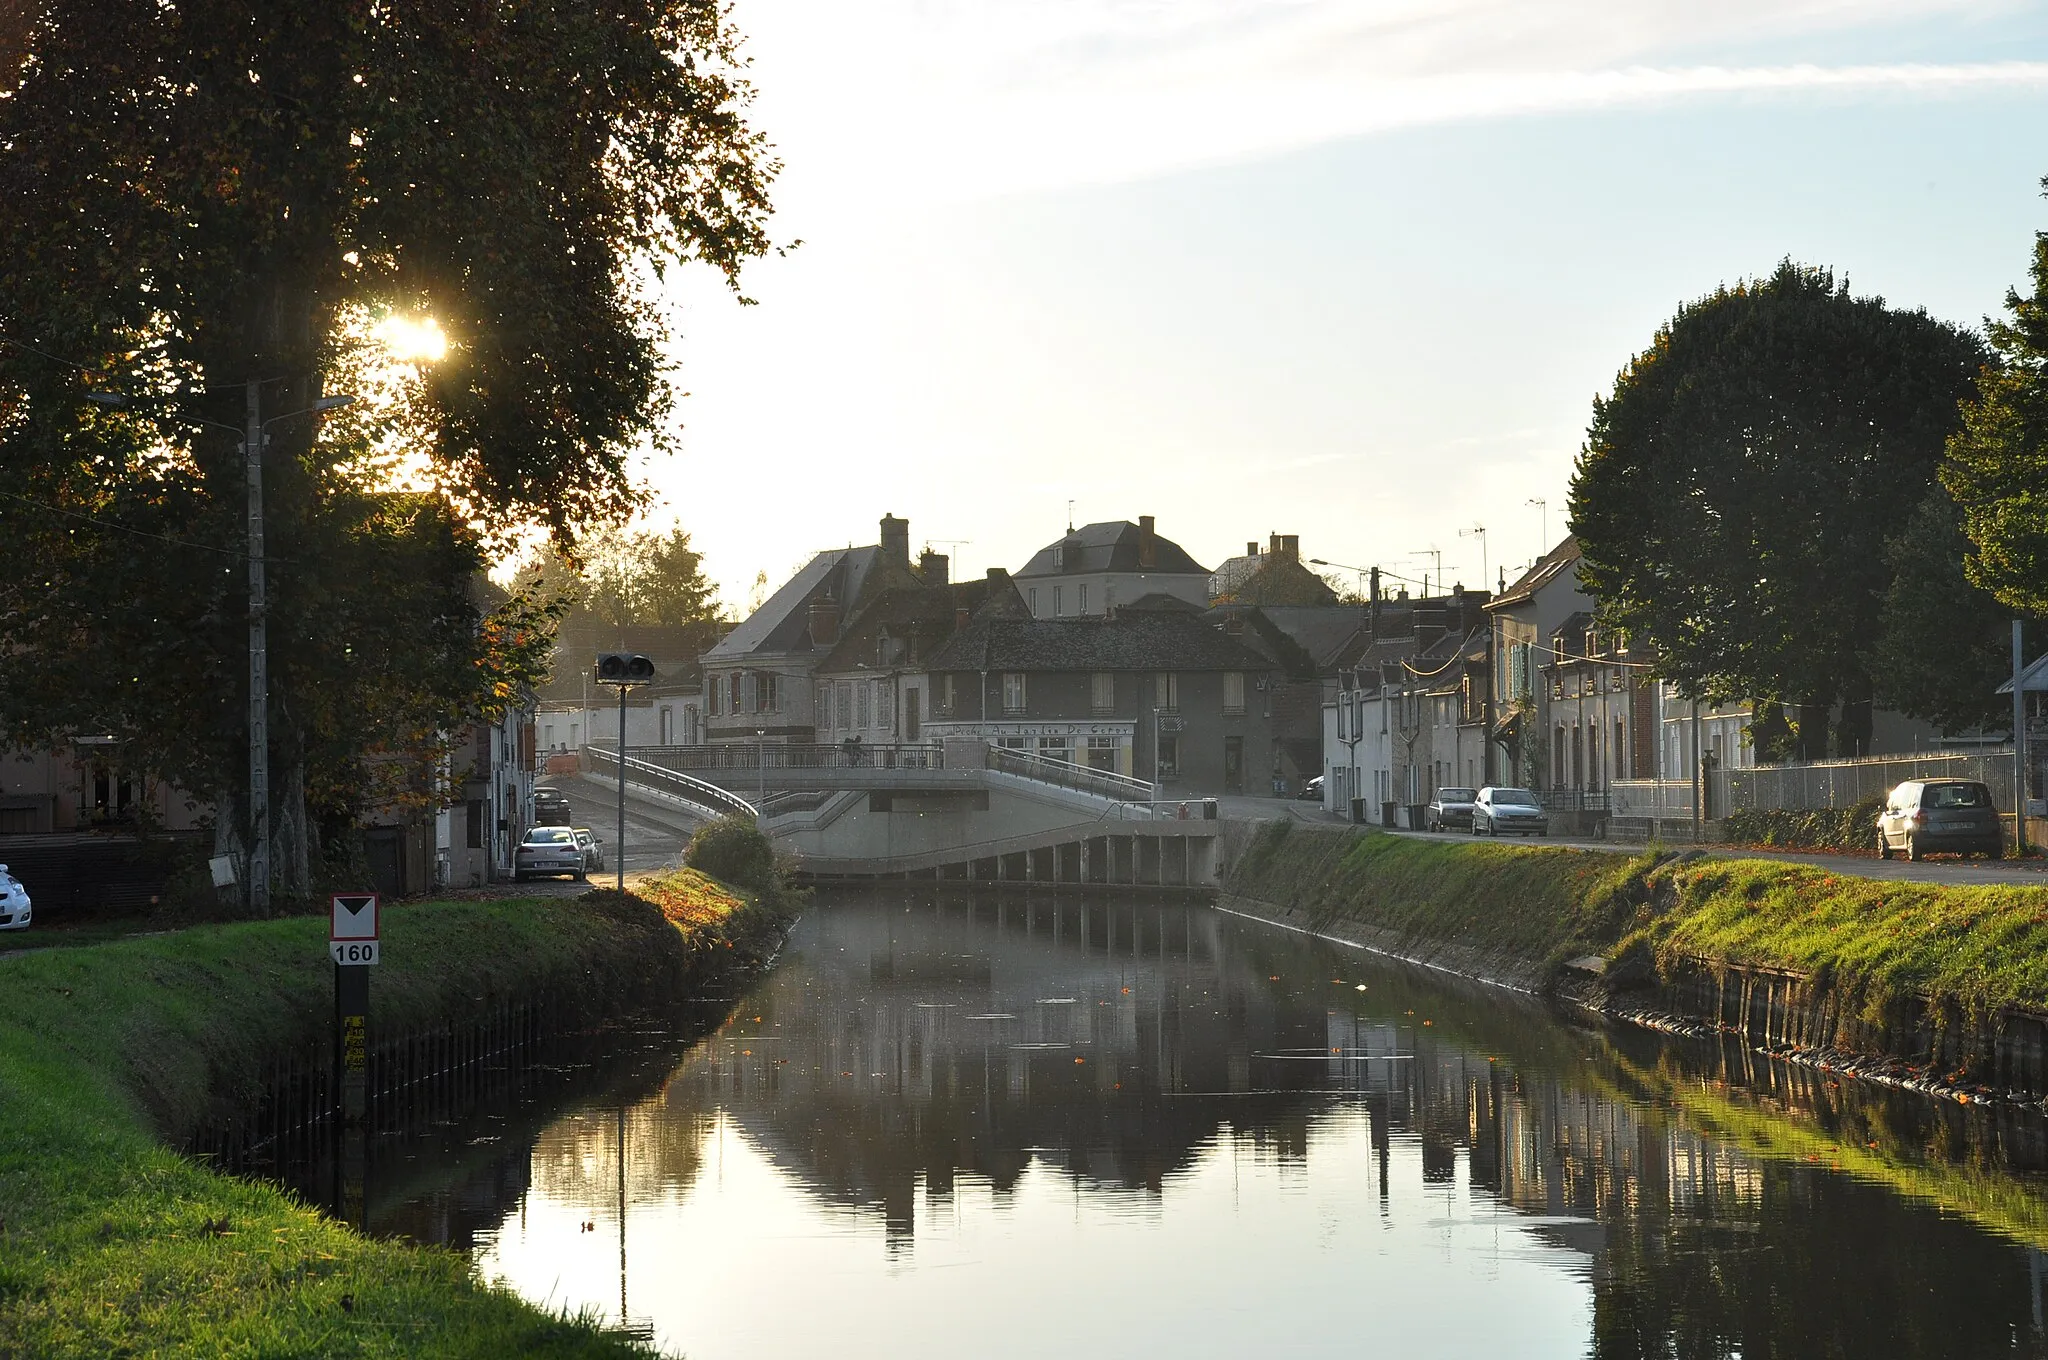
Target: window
x: 1081, y: 601
x: 1342, y: 708
x: 947, y: 696
x: 1102, y: 753
x: 825, y: 723
x: 1013, y: 691
x: 864, y: 698
x: 668, y: 726
x: 693, y: 732
x: 1102, y: 691
x: 1031, y: 601
x: 1169, y: 755
x: 747, y: 688
x: 1233, y: 692
x: 885, y: 706
x: 547, y: 736
x: 765, y: 693
x: 1166, y: 692
x: 845, y: 703
x: 1059, y: 601
x: 1056, y: 748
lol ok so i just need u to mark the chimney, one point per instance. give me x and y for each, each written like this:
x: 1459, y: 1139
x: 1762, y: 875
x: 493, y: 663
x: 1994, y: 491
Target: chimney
x: 1251, y: 550
x: 1430, y: 623
x: 934, y: 567
x: 1148, y: 543
x: 1290, y: 546
x: 1233, y: 624
x: 824, y: 621
x: 896, y: 540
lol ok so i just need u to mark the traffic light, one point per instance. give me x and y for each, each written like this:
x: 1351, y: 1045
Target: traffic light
x: 624, y: 668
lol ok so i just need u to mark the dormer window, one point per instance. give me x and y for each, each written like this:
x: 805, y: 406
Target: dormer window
x: 1059, y: 555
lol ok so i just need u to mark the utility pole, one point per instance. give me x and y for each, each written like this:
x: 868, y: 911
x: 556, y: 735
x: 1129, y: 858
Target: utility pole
x: 2019, y: 747
x: 259, y: 664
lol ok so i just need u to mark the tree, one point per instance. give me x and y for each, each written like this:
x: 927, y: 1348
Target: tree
x: 1738, y: 487
x: 207, y: 206
x: 1997, y: 466
x: 1943, y: 645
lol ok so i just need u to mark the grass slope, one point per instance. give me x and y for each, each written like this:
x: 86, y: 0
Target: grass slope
x: 1980, y: 949
x: 112, y: 1245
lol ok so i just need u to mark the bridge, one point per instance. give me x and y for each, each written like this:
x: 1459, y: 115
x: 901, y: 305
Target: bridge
x: 961, y: 809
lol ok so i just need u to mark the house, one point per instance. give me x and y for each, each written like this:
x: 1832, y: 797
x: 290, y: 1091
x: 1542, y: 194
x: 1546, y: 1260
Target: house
x: 1302, y: 644
x: 1100, y: 567
x: 86, y: 785
x: 758, y: 679
x: 1274, y: 577
x: 1157, y: 694
x: 1408, y: 705
x: 874, y: 686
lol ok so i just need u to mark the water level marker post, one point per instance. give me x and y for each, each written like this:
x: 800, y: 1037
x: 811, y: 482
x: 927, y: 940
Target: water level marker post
x: 353, y: 945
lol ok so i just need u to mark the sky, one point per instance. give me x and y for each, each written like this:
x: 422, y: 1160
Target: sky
x: 1352, y: 270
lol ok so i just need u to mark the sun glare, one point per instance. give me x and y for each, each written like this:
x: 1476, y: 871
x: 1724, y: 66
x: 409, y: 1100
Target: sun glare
x: 412, y: 339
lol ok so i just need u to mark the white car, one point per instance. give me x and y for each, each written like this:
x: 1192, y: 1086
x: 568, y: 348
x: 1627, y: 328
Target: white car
x: 14, y: 905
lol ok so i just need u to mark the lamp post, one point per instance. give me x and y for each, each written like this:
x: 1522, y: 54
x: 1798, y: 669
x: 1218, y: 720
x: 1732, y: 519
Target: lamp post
x: 255, y: 433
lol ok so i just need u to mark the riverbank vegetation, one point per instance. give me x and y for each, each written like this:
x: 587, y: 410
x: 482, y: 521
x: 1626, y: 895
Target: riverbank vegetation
x: 1975, y: 949
x: 110, y: 1055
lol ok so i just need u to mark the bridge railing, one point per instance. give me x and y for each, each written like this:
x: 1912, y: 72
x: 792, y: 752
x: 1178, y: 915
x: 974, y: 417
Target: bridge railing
x: 747, y: 755
x: 1167, y: 810
x: 1067, y: 775
x: 708, y: 796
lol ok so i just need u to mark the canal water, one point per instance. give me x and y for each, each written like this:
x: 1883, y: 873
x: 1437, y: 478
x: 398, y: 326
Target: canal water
x: 950, y: 1125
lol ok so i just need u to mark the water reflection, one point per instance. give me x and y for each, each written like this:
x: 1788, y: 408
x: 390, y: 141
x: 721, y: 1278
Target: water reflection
x: 951, y: 1126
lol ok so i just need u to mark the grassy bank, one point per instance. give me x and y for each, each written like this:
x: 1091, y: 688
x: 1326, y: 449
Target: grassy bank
x: 1976, y: 949
x: 111, y: 1244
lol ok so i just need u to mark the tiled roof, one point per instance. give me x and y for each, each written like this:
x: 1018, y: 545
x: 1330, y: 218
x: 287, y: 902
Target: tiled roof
x: 1128, y: 642
x: 1111, y: 546
x: 1546, y: 570
x: 922, y: 618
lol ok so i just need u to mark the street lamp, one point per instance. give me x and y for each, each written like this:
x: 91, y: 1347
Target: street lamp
x: 253, y: 435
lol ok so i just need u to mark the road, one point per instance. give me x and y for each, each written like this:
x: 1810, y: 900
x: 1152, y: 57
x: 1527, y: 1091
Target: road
x: 2028, y: 873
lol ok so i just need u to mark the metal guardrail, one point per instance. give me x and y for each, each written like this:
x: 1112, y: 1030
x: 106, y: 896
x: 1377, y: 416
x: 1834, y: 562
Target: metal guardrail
x: 1662, y: 800
x: 717, y: 801
x: 1167, y: 810
x: 1067, y: 775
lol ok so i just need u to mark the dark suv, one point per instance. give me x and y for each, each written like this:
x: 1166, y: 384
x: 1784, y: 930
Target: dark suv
x: 1924, y: 816
x: 551, y: 808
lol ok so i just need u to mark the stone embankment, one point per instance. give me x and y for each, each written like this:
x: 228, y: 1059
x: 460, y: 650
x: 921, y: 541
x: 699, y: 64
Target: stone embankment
x: 1939, y: 987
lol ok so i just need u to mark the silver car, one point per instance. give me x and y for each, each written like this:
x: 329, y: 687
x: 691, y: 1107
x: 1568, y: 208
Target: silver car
x: 1502, y: 812
x: 593, y: 849
x: 14, y: 903
x: 1927, y: 815
x: 548, y: 851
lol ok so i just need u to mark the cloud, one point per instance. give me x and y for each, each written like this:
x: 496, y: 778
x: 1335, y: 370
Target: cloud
x: 972, y: 98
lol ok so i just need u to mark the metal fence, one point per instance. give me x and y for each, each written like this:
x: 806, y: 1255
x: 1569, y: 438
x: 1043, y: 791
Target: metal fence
x: 1067, y: 775
x: 1656, y: 800
x: 1845, y: 783
x: 716, y: 801
x: 751, y: 755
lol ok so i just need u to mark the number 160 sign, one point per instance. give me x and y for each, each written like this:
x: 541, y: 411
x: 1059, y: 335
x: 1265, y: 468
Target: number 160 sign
x: 352, y: 934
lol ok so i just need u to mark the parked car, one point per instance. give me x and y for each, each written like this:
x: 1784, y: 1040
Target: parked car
x: 1923, y: 816
x: 1311, y: 790
x: 1450, y: 807
x: 14, y: 903
x: 551, y: 807
x: 548, y: 851
x: 1498, y: 812
x: 593, y: 849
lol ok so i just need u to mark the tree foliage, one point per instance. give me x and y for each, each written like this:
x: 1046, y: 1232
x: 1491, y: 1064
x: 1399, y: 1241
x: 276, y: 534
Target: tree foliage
x: 1943, y: 645
x: 206, y: 198
x: 1738, y: 487
x: 1997, y: 466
